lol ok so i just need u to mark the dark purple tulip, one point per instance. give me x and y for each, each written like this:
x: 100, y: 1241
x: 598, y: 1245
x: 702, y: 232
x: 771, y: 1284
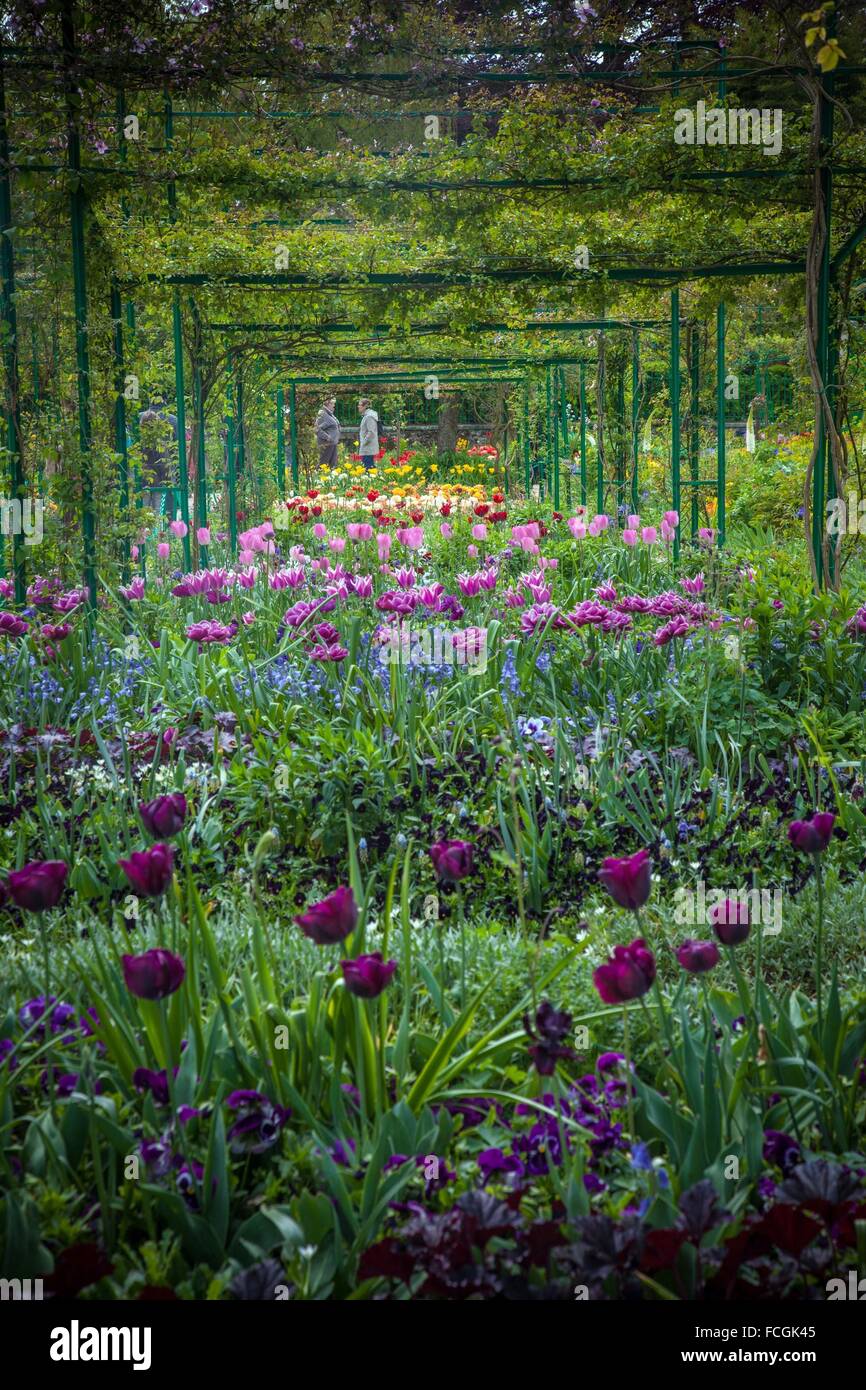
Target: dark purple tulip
x: 627, y: 975
x: 549, y: 1037
x: 164, y: 816
x: 149, y: 871
x: 730, y: 921
x: 812, y: 836
x: 628, y: 880
x: 38, y: 885
x: 154, y: 974
x: 698, y: 956
x: 331, y: 920
x: 452, y: 859
x: 367, y: 976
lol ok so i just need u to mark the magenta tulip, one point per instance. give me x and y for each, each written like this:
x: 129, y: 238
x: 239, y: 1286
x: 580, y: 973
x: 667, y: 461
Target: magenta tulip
x: 154, y: 974
x: 698, y: 956
x: 627, y: 975
x: 628, y: 880
x: 812, y: 836
x: 39, y: 885
x: 331, y: 920
x: 367, y: 976
x: 164, y: 816
x: 149, y: 871
x: 730, y: 921
x: 452, y: 860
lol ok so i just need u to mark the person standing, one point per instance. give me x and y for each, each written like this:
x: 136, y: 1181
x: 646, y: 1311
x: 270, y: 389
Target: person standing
x: 368, y: 433
x: 327, y: 428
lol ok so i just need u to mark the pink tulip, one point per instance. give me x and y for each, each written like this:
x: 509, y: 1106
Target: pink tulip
x: 595, y: 528
x: 668, y: 532
x: 248, y: 617
x: 163, y: 550
x: 246, y: 557
x: 365, y: 531
x: 320, y: 531
x: 202, y: 535
x: 135, y: 552
x: 480, y: 532
x: 672, y: 519
x: 472, y: 550
x: 446, y: 531
x: 649, y: 535
x: 577, y: 528
x: 178, y: 528
x: 629, y: 536
x: 337, y: 544
x: 634, y: 522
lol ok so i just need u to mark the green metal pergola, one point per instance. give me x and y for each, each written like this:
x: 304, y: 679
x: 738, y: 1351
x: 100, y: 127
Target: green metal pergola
x: 122, y: 302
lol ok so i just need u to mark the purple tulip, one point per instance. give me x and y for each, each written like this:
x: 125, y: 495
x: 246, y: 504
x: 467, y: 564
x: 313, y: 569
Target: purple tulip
x: 149, y: 871
x: 164, y: 816
x: 452, y: 859
x: 812, y: 836
x: 331, y: 920
x: 38, y: 885
x: 367, y: 976
x: 698, y: 956
x: 780, y: 1149
x: 627, y: 975
x: 730, y: 921
x: 628, y: 880
x: 154, y: 974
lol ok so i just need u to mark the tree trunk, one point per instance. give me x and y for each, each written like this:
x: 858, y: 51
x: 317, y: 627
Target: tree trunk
x: 446, y: 437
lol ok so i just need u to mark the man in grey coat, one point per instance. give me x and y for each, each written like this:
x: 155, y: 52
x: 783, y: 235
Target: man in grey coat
x: 368, y: 434
x: 327, y: 429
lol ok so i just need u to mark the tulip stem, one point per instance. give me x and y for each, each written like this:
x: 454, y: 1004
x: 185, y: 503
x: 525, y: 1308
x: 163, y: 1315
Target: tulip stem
x: 819, y: 952
x: 628, y: 1074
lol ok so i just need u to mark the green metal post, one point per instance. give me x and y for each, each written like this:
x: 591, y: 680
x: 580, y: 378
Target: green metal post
x: 10, y: 353
x: 179, y: 383
x: 635, y: 419
x: 582, y: 435
x: 823, y: 471
x: 554, y: 423
x: 79, y: 285
x: 548, y: 407
x: 281, y: 444
x: 675, y: 412
x: 231, y: 475
x: 620, y: 442
x: 599, y: 425
x: 198, y: 418
x: 293, y: 436
x: 694, y: 422
x: 563, y: 417
x: 720, y: 421
x: 120, y: 420
x: 527, y: 443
